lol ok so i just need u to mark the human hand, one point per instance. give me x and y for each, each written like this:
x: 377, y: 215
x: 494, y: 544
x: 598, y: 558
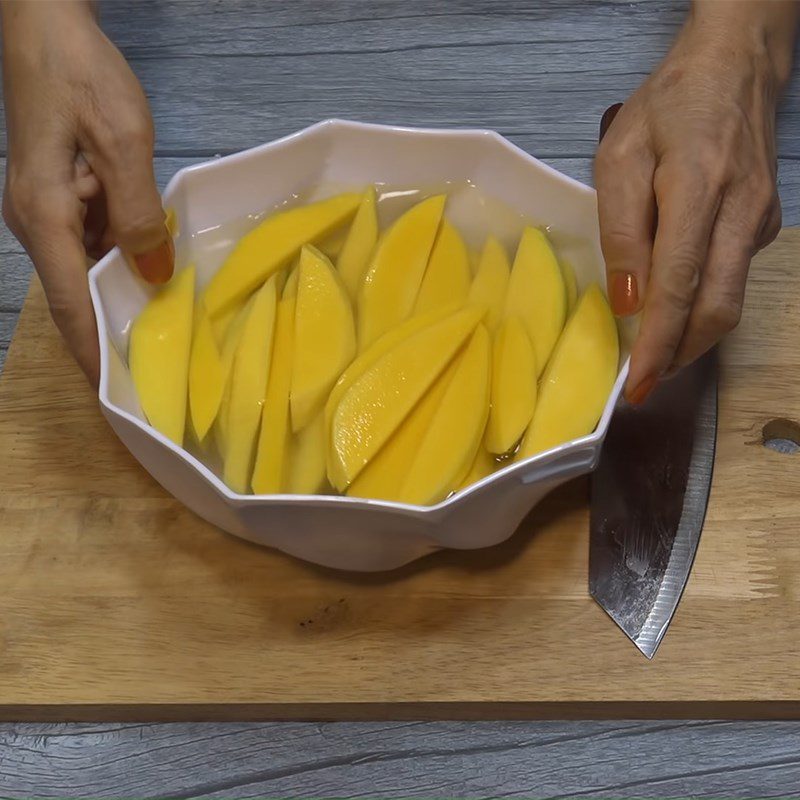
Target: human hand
x: 80, y: 172
x: 686, y: 183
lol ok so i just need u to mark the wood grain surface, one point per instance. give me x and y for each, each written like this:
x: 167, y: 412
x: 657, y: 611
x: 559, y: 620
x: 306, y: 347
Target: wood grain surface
x: 200, y: 109
x: 553, y: 760
x: 120, y: 604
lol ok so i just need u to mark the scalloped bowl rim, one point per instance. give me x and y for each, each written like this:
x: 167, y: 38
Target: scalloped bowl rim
x: 335, y: 500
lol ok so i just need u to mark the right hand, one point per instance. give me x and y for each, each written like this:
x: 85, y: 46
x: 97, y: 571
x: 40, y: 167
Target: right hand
x: 80, y: 160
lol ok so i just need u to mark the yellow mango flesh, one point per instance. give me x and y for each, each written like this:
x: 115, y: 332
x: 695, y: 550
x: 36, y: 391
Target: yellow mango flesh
x: 474, y: 259
x: 207, y: 375
x: 324, y: 338
x: 357, y: 249
x: 379, y: 348
x: 513, y: 387
x: 332, y: 245
x: 383, y: 477
x: 484, y: 464
x: 249, y: 374
x: 447, y: 278
x: 392, y: 282
x: 272, y: 245
x: 158, y: 356
x: 447, y: 451
x: 381, y: 398
x: 227, y: 354
x: 366, y: 359
x: 270, y: 470
x: 490, y: 284
x: 576, y: 384
x: 290, y: 287
x: 570, y: 285
x: 221, y: 324
x: 536, y: 293
x: 171, y: 221
x: 307, y: 461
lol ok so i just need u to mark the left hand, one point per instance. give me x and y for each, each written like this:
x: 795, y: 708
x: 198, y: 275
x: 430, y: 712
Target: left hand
x: 686, y: 183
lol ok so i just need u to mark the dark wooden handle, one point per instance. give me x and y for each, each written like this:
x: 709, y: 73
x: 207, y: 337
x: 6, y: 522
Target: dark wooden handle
x: 608, y: 118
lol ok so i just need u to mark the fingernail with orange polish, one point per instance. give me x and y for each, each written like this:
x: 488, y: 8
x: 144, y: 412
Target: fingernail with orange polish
x: 640, y: 393
x: 623, y: 293
x: 157, y: 265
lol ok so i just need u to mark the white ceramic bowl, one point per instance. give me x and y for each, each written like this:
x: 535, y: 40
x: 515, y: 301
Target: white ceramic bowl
x: 343, y: 532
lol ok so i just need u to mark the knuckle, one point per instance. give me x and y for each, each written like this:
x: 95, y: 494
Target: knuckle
x: 763, y: 199
x: 683, y: 278
x: 17, y: 196
x: 717, y: 169
x: 702, y: 173
x: 608, y: 156
x: 677, y: 297
x: 126, y: 135
x: 620, y: 235
x: 28, y: 205
x: 771, y: 227
x: 721, y: 315
x: 614, y: 151
x: 714, y: 169
x: 752, y: 209
x: 147, y: 224
x: 684, y: 267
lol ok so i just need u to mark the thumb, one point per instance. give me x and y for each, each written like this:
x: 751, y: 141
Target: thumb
x: 135, y: 216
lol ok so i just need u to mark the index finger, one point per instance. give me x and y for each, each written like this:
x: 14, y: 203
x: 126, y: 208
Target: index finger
x: 687, y: 208
x: 57, y: 251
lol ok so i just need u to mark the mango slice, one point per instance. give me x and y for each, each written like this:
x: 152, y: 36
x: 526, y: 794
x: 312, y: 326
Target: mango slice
x: 207, y: 375
x: 290, y: 287
x: 332, y: 244
x: 447, y: 451
x: 513, y: 387
x: 324, y: 337
x: 272, y: 453
x: 474, y: 260
x: 158, y: 356
x: 490, y: 284
x: 221, y: 324
x: 447, y: 278
x: 484, y: 464
x: 381, y: 398
x: 570, y: 284
x: 353, y: 260
x: 383, y: 477
x: 536, y: 293
x: 307, y: 468
x: 576, y: 384
x: 272, y: 245
x: 382, y: 346
x: 392, y: 282
x: 249, y: 373
x: 227, y: 354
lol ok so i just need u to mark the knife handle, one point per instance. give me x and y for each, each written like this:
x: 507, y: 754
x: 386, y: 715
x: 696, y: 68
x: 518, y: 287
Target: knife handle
x: 607, y: 119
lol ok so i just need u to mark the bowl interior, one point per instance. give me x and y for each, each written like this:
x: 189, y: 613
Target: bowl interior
x: 218, y: 201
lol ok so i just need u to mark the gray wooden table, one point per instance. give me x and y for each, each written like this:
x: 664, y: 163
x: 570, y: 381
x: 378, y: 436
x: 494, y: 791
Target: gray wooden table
x: 222, y: 75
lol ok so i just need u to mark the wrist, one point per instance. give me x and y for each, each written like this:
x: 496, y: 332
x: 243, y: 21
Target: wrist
x: 763, y: 32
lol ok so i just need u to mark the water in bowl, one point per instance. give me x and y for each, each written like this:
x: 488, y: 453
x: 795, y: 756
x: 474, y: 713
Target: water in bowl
x: 476, y: 214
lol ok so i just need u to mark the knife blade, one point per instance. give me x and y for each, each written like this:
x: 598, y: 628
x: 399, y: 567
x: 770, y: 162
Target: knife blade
x: 648, y: 502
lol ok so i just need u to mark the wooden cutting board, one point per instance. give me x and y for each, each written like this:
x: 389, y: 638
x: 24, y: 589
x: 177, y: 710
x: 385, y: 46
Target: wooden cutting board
x: 117, y: 603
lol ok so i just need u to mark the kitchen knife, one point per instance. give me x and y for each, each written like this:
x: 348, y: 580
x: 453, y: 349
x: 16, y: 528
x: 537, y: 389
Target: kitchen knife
x: 649, y: 497
x: 648, y: 502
